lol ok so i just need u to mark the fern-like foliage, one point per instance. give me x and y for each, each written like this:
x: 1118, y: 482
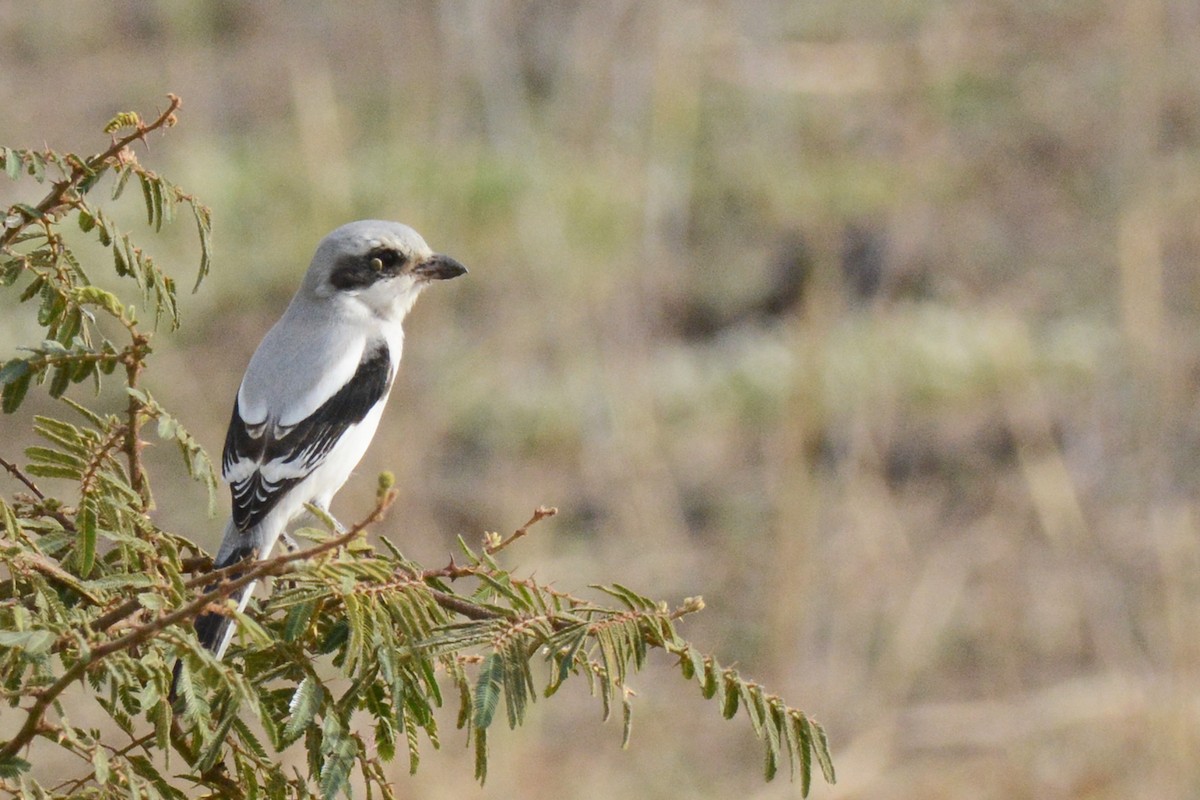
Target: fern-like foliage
x: 358, y: 646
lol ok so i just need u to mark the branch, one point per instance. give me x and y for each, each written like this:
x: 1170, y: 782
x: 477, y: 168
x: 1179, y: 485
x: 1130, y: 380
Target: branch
x: 57, y: 200
x: 234, y: 570
x: 16, y: 472
x: 58, y: 516
x: 134, y: 365
x: 143, y: 633
x: 539, y: 514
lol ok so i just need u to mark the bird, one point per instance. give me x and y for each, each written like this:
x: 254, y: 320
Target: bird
x: 315, y: 389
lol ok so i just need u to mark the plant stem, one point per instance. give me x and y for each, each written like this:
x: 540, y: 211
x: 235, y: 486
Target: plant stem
x: 59, y: 197
x: 143, y: 633
x: 134, y: 364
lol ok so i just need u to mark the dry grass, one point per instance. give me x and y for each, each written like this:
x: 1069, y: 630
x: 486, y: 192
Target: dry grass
x: 874, y: 323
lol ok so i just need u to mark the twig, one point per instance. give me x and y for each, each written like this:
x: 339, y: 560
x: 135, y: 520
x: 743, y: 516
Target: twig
x: 58, y: 516
x: 466, y: 608
x: 539, y: 514
x: 69, y: 788
x: 143, y: 633
x: 135, y: 362
x: 16, y: 472
x: 122, y: 611
x: 57, y: 199
x: 96, y: 462
x: 196, y: 564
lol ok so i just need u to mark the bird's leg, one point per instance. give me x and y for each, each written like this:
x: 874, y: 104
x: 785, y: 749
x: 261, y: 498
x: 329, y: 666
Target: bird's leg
x: 289, y: 544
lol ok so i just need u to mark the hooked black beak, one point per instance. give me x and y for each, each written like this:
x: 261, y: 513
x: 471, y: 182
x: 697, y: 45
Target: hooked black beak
x: 439, y: 268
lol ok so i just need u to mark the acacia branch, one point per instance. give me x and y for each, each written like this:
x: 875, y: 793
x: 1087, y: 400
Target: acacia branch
x: 143, y: 633
x: 134, y: 364
x: 59, y: 198
x: 540, y: 513
x: 16, y: 472
x: 57, y: 515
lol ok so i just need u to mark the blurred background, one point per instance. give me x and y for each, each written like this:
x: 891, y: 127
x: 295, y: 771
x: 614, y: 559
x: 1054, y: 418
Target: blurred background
x: 873, y: 323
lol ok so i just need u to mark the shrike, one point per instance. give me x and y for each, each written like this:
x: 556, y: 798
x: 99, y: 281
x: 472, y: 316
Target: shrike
x: 311, y: 399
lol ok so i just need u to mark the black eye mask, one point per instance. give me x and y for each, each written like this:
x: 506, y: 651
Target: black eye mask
x: 359, y: 272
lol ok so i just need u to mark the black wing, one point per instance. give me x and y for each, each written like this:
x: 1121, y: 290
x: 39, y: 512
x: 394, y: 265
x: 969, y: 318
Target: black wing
x: 278, y: 458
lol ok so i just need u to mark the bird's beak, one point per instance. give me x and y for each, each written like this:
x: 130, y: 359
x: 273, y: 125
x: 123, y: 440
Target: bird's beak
x: 439, y: 268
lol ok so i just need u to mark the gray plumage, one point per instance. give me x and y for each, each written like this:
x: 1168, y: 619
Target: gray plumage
x: 315, y: 388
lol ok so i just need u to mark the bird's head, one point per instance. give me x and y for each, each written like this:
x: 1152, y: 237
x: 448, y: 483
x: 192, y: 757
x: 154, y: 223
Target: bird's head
x: 378, y: 266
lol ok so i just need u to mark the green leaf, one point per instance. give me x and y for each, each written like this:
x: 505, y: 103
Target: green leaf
x: 691, y: 663
x: 204, y: 227
x: 12, y: 162
x: 95, y: 296
x: 627, y: 717
x: 752, y: 702
x: 783, y: 721
x: 481, y: 755
x: 713, y: 685
x: 12, y: 528
x: 487, y: 690
x: 47, y: 455
x: 305, y: 704
x: 518, y: 685
x: 102, y: 231
x: 804, y: 734
x: 162, y: 717
x: 12, y: 767
x: 52, y: 471
x: 148, y: 196
x: 732, y: 692
x: 119, y: 183
x: 61, y: 380
x: 216, y: 743
x: 146, y: 770
x: 85, y: 526
x: 31, y: 642
x: 10, y: 270
x: 338, y: 633
x: 771, y: 764
x: 297, y: 620
x: 13, y: 370
x: 385, y: 738
x: 769, y: 734
x: 195, y: 706
x: 100, y: 766
x: 409, y: 726
x: 37, y: 167
x: 821, y: 749
x: 338, y: 751
x: 33, y: 288
x: 124, y: 119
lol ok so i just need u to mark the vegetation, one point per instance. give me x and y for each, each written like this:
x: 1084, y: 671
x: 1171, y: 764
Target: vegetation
x: 357, y: 647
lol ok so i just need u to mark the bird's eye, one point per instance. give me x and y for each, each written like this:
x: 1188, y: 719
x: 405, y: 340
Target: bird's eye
x: 382, y: 259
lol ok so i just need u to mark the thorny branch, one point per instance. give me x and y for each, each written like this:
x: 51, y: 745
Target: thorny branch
x: 58, y: 516
x: 495, y: 544
x: 271, y: 566
x: 16, y: 472
x: 59, y: 198
x: 134, y: 364
x: 63, y: 195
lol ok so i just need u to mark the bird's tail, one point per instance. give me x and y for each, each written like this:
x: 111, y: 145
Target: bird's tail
x: 214, y: 629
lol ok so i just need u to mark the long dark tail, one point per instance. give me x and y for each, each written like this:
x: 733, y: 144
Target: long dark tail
x: 214, y: 630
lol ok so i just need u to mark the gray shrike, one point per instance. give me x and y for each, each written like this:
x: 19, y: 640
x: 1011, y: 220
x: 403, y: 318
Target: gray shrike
x: 315, y: 388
